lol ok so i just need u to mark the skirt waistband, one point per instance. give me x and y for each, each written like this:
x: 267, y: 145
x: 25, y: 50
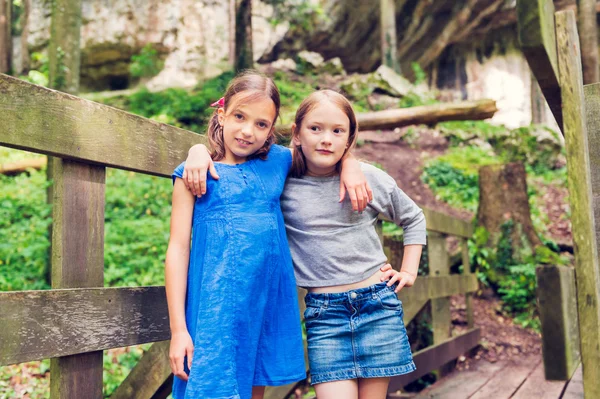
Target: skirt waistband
x: 360, y: 294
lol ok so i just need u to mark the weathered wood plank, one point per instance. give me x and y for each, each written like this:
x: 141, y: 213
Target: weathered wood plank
x: 538, y: 41
x: 462, y: 384
x: 78, y: 376
x: 438, y: 287
x: 148, y: 376
x: 467, y: 271
x: 77, y: 261
x: 580, y: 194
x: 433, y: 357
x: 503, y: 385
x: 411, y: 309
x: 44, y: 324
x: 557, y: 305
x: 439, y: 265
x: 82, y: 320
x: 574, y: 389
x: 41, y: 120
x: 445, y: 224
x: 537, y: 387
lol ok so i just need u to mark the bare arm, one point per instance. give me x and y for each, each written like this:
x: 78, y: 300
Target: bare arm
x: 353, y: 180
x: 408, y: 272
x: 176, y: 270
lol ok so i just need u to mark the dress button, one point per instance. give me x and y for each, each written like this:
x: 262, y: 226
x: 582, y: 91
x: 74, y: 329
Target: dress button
x: 353, y: 295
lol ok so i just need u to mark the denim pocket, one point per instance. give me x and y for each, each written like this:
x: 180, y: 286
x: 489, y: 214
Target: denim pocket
x: 312, y: 313
x: 389, y: 300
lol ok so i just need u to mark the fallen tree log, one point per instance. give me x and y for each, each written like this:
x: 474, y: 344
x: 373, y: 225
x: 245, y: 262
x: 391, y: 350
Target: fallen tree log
x: 425, y: 114
x: 14, y: 168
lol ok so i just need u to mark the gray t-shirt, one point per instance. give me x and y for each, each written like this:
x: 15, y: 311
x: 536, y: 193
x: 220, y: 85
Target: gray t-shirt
x: 333, y: 245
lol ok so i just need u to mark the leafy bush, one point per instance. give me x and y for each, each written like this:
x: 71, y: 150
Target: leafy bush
x: 24, y: 221
x: 145, y: 64
x: 454, y: 176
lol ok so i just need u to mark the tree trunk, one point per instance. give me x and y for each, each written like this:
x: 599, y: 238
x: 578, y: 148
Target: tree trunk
x: 64, y: 49
x: 231, y: 40
x: 502, y: 198
x: 5, y: 36
x: 389, y: 56
x: 25, y: 58
x: 588, y: 38
x: 243, y: 35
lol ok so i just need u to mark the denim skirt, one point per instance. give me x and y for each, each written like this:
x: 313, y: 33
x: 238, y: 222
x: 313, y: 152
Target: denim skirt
x: 356, y: 334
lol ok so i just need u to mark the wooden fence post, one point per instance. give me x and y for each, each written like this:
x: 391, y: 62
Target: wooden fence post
x: 439, y: 265
x: 467, y: 270
x: 580, y: 192
x: 557, y: 305
x: 77, y: 262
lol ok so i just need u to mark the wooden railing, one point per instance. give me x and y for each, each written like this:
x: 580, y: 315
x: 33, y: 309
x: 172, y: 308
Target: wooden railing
x: 77, y: 319
x: 568, y: 299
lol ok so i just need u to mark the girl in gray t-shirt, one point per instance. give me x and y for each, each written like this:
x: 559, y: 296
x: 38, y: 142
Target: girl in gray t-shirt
x: 355, y: 332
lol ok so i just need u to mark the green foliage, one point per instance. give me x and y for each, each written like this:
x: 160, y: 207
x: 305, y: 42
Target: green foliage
x: 24, y: 221
x: 420, y: 74
x: 511, y: 275
x: 300, y: 14
x: 145, y: 64
x: 454, y: 177
x: 136, y: 230
x: 118, y: 364
x: 38, y: 76
x: 292, y: 92
x: 60, y: 78
x: 138, y: 209
x: 179, y: 107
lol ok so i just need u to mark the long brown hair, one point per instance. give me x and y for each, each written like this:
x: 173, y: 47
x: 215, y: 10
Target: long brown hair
x: 251, y: 85
x: 307, y: 105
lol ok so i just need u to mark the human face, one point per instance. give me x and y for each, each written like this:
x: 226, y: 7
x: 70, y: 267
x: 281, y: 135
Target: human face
x: 246, y: 127
x: 323, y: 137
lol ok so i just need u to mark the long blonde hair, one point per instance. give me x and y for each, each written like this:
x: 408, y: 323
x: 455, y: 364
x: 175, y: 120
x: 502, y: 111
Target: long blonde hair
x: 307, y: 105
x: 254, y: 85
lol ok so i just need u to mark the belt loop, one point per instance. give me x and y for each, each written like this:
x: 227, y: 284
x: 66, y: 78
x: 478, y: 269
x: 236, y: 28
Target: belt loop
x: 373, y: 291
x: 326, y: 301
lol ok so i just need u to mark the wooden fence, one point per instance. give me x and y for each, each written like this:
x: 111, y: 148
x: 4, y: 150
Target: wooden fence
x: 570, y: 323
x: 77, y: 319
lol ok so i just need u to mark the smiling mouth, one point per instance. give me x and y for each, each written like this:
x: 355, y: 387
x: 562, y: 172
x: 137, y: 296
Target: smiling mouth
x: 243, y: 142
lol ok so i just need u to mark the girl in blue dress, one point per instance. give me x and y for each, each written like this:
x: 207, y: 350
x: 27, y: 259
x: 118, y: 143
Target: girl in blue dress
x: 229, y: 278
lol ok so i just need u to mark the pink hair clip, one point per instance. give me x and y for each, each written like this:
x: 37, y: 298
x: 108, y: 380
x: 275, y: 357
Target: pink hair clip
x: 219, y: 104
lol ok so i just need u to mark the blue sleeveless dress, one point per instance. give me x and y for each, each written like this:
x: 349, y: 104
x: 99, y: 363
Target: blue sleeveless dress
x: 241, y: 303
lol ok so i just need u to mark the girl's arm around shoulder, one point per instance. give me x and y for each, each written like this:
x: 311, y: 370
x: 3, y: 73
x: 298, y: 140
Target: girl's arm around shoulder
x: 197, y: 166
x: 176, y: 268
x: 393, y: 203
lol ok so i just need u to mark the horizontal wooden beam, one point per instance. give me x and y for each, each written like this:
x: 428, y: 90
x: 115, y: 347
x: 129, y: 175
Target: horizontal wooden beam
x: 44, y: 324
x: 445, y: 224
x: 426, y: 288
x: 537, y: 37
x: 433, y: 357
x: 37, y: 119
